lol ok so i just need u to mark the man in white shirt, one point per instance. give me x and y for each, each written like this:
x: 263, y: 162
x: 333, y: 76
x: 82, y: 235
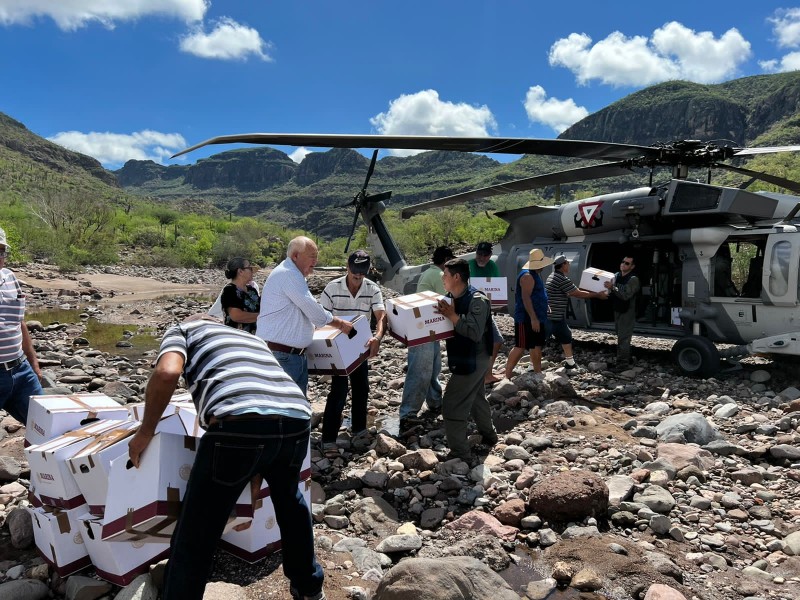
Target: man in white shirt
x: 289, y: 313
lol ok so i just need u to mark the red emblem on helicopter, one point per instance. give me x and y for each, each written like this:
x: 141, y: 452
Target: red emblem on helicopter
x: 589, y: 215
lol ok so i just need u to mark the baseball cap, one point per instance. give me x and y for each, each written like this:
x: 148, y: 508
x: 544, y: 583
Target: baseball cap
x: 483, y: 248
x: 560, y: 260
x: 3, y: 239
x: 359, y: 262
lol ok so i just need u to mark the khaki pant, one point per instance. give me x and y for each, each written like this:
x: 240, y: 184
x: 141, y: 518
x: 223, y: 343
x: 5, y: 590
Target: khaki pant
x: 465, y: 395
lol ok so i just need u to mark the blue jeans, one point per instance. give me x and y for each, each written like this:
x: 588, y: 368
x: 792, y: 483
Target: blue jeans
x: 295, y: 366
x: 16, y: 388
x: 422, y: 380
x: 337, y: 398
x: 228, y: 456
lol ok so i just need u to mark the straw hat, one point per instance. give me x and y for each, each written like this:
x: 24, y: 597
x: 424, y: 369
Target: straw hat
x: 537, y: 260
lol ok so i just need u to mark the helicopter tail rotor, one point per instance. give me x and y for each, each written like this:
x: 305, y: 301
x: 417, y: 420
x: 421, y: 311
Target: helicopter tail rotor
x: 362, y: 199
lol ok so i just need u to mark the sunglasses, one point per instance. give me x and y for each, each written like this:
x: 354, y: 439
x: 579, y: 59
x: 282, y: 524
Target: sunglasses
x: 627, y: 263
x: 4, y: 253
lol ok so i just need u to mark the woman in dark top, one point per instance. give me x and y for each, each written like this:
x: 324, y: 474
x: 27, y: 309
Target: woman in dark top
x: 240, y: 298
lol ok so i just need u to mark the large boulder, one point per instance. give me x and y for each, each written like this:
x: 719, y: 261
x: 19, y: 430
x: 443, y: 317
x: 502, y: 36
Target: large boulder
x: 456, y: 578
x: 569, y: 496
x: 686, y: 428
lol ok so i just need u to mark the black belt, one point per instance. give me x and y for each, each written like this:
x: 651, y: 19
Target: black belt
x: 244, y: 417
x: 12, y: 364
x: 287, y: 349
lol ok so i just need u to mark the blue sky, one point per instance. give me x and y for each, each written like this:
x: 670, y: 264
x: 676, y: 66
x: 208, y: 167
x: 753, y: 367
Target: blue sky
x: 142, y: 79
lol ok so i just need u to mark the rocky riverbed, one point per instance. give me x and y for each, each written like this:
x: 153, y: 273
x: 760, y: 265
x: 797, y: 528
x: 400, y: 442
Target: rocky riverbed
x: 634, y: 484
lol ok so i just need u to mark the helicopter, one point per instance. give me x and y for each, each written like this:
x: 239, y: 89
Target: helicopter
x: 681, y: 234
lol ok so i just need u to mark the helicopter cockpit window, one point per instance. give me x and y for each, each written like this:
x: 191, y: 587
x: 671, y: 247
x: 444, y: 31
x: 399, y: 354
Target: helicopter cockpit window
x: 779, y: 268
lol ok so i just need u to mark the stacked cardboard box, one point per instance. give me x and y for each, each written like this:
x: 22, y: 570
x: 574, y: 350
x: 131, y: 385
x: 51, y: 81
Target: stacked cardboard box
x: 89, y: 505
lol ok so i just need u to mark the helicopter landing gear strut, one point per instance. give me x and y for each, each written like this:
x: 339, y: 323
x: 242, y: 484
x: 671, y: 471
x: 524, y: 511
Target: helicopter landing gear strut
x: 696, y: 355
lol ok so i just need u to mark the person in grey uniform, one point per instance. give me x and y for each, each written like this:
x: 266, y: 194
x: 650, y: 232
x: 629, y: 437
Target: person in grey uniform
x: 468, y: 355
x: 623, y: 291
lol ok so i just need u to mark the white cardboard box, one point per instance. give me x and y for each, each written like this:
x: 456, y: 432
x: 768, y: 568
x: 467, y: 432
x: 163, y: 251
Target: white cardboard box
x: 496, y: 288
x: 332, y: 352
x: 50, y: 416
x: 119, y: 562
x: 414, y: 320
x: 53, y: 479
x: 143, y: 503
x: 180, y: 405
x: 58, y: 538
x: 261, y: 536
x: 91, y: 465
x: 594, y: 279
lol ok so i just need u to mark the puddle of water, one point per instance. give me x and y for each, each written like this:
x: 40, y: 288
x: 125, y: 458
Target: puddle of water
x: 103, y: 336
x: 523, y: 571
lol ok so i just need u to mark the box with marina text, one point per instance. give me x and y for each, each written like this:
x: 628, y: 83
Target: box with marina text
x: 50, y: 416
x: 495, y: 288
x: 333, y: 352
x: 414, y: 319
x: 51, y: 474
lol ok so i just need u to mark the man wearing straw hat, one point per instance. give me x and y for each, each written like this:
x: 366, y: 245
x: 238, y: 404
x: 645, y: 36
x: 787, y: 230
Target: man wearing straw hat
x: 530, y: 313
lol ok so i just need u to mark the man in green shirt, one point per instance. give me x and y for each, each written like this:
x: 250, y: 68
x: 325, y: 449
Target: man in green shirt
x: 425, y: 360
x: 483, y: 266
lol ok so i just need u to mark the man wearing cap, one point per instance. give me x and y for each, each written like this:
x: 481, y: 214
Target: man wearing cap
x: 425, y: 360
x: 354, y: 295
x: 530, y: 313
x: 559, y: 290
x: 20, y: 376
x: 483, y: 266
x: 289, y: 313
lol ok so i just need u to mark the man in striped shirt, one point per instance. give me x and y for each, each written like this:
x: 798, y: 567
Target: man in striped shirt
x: 355, y: 295
x: 559, y: 290
x: 289, y: 313
x: 20, y: 376
x: 257, y: 422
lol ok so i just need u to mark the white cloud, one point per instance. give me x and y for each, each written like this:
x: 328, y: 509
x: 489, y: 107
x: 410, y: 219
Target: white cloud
x: 790, y: 62
x: 113, y: 149
x: 424, y: 113
x: 299, y: 154
x: 672, y: 52
x: 786, y: 25
x: 555, y: 113
x: 228, y: 40
x: 72, y: 14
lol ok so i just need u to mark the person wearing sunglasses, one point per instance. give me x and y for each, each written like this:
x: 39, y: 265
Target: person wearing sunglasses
x: 623, y: 291
x: 240, y: 298
x: 20, y: 375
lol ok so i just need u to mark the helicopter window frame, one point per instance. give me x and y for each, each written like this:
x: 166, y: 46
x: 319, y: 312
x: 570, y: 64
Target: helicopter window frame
x: 779, y: 262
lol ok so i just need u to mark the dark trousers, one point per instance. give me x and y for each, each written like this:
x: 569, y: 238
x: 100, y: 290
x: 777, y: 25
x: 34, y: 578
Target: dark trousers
x: 229, y: 454
x: 16, y: 388
x: 337, y: 398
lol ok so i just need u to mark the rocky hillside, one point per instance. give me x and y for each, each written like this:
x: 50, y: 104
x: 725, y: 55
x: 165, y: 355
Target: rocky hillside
x: 31, y: 164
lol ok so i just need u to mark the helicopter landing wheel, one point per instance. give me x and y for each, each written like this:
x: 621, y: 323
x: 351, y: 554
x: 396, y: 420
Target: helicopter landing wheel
x: 696, y: 356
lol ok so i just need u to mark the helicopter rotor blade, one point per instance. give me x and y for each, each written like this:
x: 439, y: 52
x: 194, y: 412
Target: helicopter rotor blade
x: 521, y: 185
x: 788, y: 184
x: 378, y: 197
x: 491, y: 145
x: 369, y: 171
x: 352, y: 230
